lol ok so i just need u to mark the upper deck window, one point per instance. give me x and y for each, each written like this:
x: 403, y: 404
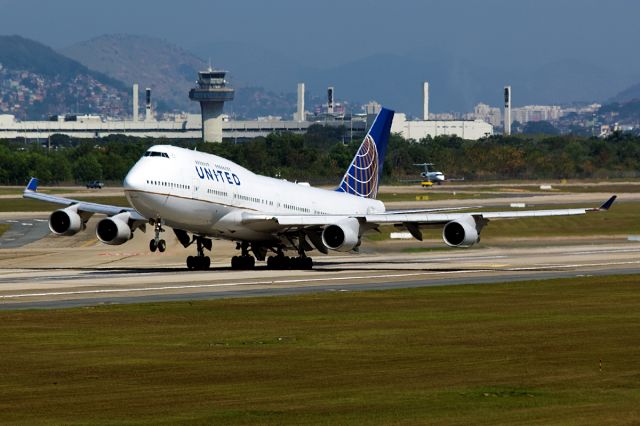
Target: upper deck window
x: 156, y: 154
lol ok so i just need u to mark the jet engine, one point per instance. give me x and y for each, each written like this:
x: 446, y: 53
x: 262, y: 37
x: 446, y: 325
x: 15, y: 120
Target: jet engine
x: 462, y: 232
x: 114, y: 230
x: 342, y: 236
x: 65, y: 222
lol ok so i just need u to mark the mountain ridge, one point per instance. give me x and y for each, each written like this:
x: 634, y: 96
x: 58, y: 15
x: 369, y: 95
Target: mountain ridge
x: 36, y: 81
x: 169, y: 70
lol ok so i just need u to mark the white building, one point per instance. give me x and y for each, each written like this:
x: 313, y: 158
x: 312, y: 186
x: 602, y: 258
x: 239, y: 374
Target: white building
x: 420, y: 129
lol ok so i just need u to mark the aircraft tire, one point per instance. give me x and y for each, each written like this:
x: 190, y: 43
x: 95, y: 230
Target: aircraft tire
x: 162, y: 246
x: 153, y: 246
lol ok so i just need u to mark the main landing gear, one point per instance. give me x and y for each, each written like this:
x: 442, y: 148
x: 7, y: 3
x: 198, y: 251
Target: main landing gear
x: 200, y: 262
x: 245, y: 260
x: 280, y: 261
x: 157, y: 243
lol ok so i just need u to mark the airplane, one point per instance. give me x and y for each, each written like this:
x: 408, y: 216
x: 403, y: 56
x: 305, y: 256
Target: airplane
x: 203, y: 197
x: 431, y: 176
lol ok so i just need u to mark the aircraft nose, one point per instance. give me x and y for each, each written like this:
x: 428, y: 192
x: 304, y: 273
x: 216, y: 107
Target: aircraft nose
x: 133, y: 179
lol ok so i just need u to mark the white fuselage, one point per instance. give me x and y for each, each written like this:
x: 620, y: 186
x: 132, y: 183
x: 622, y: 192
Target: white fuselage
x: 207, y: 195
x: 433, y: 176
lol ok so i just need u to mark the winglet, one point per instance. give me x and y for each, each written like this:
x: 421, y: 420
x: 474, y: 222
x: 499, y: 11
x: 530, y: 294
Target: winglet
x: 607, y: 205
x: 32, y: 185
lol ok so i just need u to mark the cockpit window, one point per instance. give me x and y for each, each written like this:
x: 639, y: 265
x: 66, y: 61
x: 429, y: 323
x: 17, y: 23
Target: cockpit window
x: 156, y: 154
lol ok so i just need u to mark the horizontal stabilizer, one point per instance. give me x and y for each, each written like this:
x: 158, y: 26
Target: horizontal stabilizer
x: 32, y: 185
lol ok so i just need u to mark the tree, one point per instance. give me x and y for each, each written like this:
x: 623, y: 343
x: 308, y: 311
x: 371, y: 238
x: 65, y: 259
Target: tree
x: 87, y: 168
x: 540, y: 128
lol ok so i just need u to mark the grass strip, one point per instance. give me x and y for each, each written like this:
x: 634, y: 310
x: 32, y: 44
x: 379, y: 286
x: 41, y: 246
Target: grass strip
x: 546, y: 352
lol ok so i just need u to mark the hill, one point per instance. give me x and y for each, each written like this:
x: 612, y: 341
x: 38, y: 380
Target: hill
x: 36, y: 81
x: 631, y: 93
x: 167, y: 69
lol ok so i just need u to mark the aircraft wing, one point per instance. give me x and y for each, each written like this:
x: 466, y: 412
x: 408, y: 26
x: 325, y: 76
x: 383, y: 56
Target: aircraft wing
x: 83, y: 206
x: 434, y: 210
x: 413, y: 219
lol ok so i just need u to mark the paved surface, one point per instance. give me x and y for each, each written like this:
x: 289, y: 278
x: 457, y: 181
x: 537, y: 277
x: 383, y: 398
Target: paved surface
x: 23, y: 231
x: 37, y: 272
x: 90, y: 276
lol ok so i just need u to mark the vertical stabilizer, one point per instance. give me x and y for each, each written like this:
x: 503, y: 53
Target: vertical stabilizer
x: 363, y: 175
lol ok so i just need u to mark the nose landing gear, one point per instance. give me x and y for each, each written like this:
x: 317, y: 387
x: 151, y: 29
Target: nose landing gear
x: 156, y: 243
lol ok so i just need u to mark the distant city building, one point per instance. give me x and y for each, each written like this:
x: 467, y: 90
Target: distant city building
x: 607, y: 130
x: 22, y: 91
x: 486, y: 113
x: 372, y: 108
x: 529, y: 113
x: 587, y: 109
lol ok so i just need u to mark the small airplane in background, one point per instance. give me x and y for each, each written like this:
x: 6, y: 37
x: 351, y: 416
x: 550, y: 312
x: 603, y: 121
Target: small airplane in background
x: 430, y: 176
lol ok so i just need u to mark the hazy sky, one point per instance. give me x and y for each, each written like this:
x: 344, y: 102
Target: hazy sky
x: 330, y: 32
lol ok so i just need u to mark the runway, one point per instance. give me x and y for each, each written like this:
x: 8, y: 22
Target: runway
x: 149, y: 281
x: 38, y: 270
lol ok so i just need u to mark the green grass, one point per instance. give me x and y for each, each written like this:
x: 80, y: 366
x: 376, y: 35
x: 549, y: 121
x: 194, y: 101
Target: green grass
x: 523, y: 353
x: 478, y: 190
x: 472, y: 193
x: 26, y: 205
x: 622, y: 219
x: 3, y: 228
x: 433, y: 196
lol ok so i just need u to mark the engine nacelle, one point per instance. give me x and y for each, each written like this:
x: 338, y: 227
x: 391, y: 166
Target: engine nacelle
x: 114, y: 230
x: 461, y: 233
x: 65, y: 222
x: 342, y: 236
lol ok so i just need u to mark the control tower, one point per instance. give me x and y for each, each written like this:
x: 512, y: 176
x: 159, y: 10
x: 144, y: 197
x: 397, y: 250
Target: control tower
x: 212, y: 92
